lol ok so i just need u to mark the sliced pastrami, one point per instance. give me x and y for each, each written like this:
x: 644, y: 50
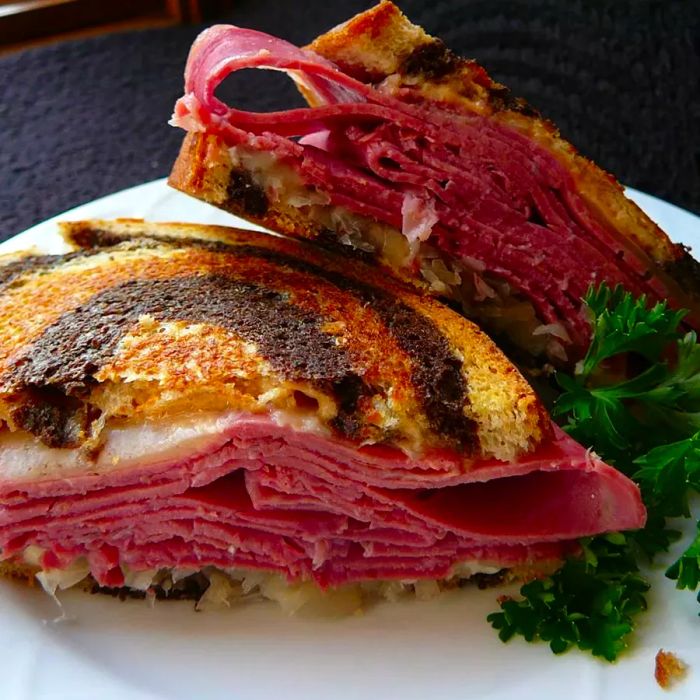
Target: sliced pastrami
x: 255, y: 494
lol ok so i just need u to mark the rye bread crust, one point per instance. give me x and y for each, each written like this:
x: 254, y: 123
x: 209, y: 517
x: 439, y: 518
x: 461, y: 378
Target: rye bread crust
x: 148, y: 319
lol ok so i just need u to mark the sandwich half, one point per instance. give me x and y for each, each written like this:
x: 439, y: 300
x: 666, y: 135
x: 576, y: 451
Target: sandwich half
x: 191, y: 408
x: 414, y: 155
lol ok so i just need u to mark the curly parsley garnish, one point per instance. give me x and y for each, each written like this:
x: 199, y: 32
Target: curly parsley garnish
x: 635, y: 399
x: 686, y: 570
x: 589, y: 603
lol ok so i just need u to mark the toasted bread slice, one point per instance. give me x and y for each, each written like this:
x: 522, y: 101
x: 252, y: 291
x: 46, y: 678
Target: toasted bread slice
x: 158, y: 319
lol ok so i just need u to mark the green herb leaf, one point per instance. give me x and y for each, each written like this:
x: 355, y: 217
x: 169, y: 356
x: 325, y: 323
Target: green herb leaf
x: 623, y: 324
x: 654, y: 537
x: 658, y: 405
x: 667, y: 474
x: 589, y: 603
x: 686, y: 570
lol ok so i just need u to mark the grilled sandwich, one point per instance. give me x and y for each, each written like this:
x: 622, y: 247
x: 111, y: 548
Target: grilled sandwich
x: 190, y: 408
x: 417, y: 157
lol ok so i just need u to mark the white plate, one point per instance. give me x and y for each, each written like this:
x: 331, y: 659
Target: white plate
x: 439, y: 649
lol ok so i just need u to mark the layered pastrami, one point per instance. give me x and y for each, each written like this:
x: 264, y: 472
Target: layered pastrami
x: 501, y: 213
x: 247, y: 492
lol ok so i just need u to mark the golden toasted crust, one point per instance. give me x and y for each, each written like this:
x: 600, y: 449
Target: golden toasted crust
x: 373, y: 44
x: 152, y: 319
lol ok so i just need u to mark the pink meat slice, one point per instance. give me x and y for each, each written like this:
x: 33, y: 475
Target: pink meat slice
x: 491, y: 194
x: 269, y: 497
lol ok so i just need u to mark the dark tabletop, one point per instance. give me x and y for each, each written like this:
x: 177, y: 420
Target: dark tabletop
x: 82, y: 119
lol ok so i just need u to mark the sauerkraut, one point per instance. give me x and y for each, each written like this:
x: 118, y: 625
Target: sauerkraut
x: 483, y: 297
x: 214, y: 588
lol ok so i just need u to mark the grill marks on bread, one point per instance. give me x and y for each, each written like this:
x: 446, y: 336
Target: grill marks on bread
x: 69, y: 353
x: 50, y: 383
x: 13, y: 270
x: 436, y: 370
x: 432, y: 60
x: 72, y: 349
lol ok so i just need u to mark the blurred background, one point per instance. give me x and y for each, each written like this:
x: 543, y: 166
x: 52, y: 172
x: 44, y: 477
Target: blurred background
x: 87, y: 86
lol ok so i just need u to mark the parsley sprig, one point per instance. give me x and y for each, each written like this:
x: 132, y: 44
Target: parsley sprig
x: 589, y: 603
x: 686, y: 570
x: 668, y: 474
x: 623, y: 324
x: 635, y: 399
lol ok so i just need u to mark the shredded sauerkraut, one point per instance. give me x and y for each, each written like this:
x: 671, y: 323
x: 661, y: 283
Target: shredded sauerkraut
x: 483, y: 297
x: 222, y: 588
